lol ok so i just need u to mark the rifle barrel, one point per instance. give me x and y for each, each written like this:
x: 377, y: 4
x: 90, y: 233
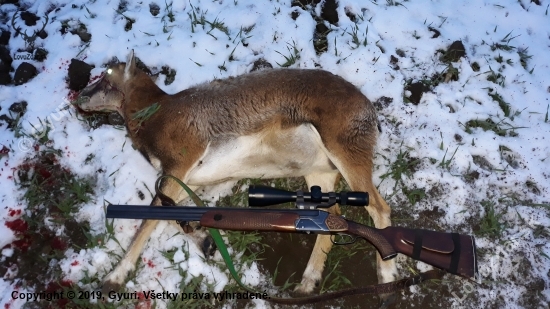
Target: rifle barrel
x: 185, y: 213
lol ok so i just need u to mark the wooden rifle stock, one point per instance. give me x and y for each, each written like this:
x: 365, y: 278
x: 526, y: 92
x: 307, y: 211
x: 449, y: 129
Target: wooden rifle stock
x: 242, y: 220
x: 454, y: 253
x: 286, y: 222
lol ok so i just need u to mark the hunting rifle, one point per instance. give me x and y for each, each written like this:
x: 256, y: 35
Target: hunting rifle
x: 452, y: 252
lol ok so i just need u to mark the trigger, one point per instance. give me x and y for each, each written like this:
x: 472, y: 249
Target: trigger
x: 342, y: 239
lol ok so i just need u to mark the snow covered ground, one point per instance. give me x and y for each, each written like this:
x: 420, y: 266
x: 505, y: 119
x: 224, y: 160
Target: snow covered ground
x: 475, y: 148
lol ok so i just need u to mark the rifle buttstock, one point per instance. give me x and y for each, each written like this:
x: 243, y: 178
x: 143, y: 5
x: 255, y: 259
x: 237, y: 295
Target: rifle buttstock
x: 373, y: 236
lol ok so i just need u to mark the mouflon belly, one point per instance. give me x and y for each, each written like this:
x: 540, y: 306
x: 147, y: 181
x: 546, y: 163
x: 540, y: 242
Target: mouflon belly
x: 291, y: 152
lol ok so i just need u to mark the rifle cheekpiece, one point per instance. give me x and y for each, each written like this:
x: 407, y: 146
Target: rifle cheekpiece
x: 450, y: 252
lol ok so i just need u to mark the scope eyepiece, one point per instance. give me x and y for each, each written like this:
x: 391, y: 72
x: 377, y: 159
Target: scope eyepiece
x: 266, y: 196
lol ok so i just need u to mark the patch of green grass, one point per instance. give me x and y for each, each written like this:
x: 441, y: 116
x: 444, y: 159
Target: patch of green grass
x: 490, y: 224
x: 489, y: 125
x: 288, y: 284
x: 496, y: 77
x: 333, y: 277
x: 355, y: 37
x: 414, y: 195
x: 45, y: 182
x: 451, y: 73
x: 196, y: 20
x: 248, y: 243
x: 394, y: 3
x: 505, y: 43
x: 39, y: 135
x: 404, y: 166
x: 446, y: 164
x: 217, y: 24
x: 169, y: 14
x: 231, y: 58
x: 52, y: 194
x: 294, y: 55
x: 198, y: 17
x: 524, y: 56
x: 196, y: 285
x: 244, y: 33
x: 93, y: 120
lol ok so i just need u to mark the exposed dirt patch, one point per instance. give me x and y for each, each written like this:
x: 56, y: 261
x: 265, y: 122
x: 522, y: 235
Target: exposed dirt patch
x: 170, y: 75
x: 382, y: 103
x: 25, y: 72
x: 454, y: 52
x: 261, y: 64
x: 328, y: 13
x: 79, y: 74
x: 394, y: 62
x: 416, y: 89
x: 154, y: 9
x: 15, y: 112
x: 436, y: 32
x: 4, y: 37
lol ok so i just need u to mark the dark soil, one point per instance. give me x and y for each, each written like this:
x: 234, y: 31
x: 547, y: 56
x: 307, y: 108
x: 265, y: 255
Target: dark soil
x: 454, y: 52
x: 261, y: 64
x: 170, y: 75
x: 154, y: 9
x: 29, y: 18
x: 79, y: 74
x: 5, y: 59
x: 5, y: 37
x: 416, y: 89
x: 382, y: 103
x: 25, y: 72
x: 435, y: 32
x: 16, y: 111
x: 328, y: 13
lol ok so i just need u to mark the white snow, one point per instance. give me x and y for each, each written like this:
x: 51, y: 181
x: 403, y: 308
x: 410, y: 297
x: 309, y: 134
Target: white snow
x: 427, y: 130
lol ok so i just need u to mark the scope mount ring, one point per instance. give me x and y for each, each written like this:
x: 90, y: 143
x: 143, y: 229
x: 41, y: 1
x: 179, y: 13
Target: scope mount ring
x: 302, y: 204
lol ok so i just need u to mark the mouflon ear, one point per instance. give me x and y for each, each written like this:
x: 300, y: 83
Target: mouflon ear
x: 130, y: 68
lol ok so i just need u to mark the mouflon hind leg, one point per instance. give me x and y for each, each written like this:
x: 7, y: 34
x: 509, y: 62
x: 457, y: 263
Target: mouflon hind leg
x: 356, y: 168
x: 314, y: 269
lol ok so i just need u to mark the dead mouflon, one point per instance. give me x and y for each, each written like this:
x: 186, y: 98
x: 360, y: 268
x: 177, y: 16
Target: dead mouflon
x: 268, y: 124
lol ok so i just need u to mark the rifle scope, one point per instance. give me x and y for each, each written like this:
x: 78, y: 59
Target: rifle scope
x: 266, y: 196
